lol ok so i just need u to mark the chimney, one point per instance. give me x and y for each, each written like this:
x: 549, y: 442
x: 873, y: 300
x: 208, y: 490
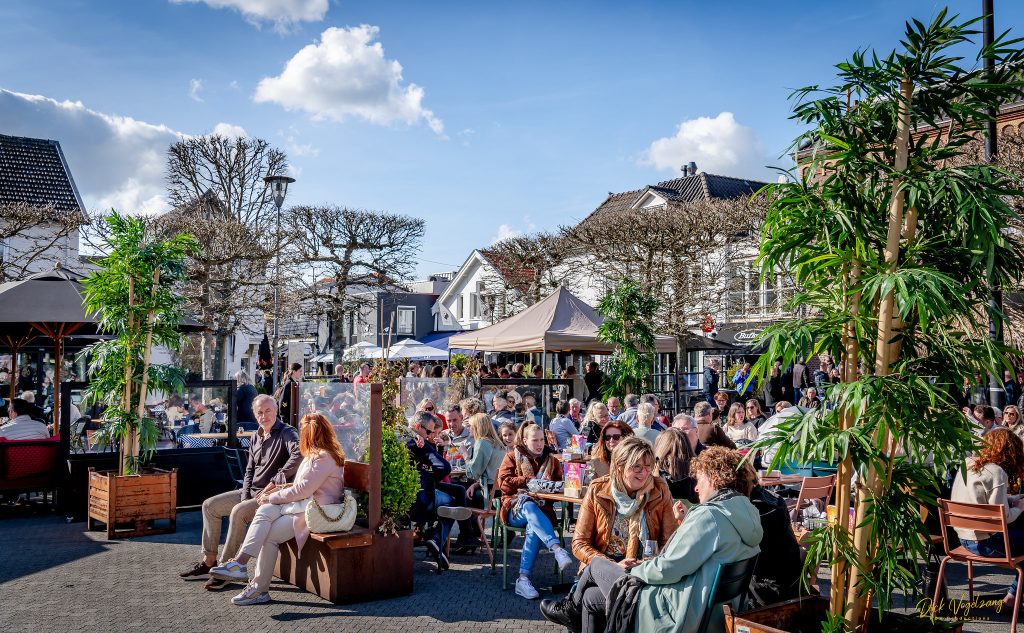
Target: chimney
x: 693, y: 168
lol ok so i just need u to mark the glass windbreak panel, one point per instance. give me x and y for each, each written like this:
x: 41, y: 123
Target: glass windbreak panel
x: 197, y: 418
x: 414, y: 391
x: 347, y: 407
x: 515, y: 402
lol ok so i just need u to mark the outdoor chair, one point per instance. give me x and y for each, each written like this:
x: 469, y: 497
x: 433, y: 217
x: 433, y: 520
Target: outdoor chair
x: 813, y: 489
x: 481, y: 516
x: 980, y: 518
x: 732, y: 580
x: 237, y: 461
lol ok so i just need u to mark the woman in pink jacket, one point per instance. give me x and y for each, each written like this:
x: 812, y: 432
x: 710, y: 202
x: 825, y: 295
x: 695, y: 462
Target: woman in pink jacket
x: 281, y: 513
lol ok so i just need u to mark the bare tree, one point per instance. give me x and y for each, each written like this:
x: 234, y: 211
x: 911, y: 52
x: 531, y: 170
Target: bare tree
x: 354, y: 249
x: 525, y: 269
x: 216, y: 187
x: 35, y: 237
x: 680, y: 253
x: 233, y: 169
x: 229, y: 282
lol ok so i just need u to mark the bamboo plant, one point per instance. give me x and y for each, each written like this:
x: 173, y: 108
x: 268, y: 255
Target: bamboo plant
x: 629, y: 326
x: 134, y: 295
x: 895, y: 253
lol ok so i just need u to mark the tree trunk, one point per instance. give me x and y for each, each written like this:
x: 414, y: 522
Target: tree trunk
x: 126, y: 402
x: 681, y: 362
x: 872, y: 484
x: 206, y: 346
x: 338, y: 335
x: 146, y: 350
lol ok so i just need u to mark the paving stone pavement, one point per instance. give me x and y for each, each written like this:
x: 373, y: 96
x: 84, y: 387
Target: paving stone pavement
x: 56, y: 576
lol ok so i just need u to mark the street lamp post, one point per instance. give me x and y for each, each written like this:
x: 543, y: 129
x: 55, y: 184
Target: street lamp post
x: 995, y: 303
x: 278, y: 186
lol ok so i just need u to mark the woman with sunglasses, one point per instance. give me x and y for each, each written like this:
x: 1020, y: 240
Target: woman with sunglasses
x: 754, y: 413
x: 607, y: 439
x: 427, y: 405
x: 1011, y: 418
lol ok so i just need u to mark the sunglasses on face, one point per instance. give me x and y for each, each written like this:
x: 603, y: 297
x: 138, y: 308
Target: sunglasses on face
x: 613, y: 438
x: 428, y: 408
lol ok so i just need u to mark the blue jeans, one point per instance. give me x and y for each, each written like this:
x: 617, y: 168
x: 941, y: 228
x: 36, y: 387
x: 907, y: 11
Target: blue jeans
x: 994, y: 546
x: 538, y: 530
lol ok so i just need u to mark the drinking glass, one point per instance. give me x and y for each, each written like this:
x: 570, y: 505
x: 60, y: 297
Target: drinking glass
x: 650, y: 549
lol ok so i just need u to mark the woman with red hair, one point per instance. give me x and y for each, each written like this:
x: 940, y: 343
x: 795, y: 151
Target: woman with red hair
x: 986, y: 479
x: 281, y: 514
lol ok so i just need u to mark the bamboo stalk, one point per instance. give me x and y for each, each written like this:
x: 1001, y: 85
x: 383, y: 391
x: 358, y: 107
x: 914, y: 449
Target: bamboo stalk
x: 857, y: 604
x: 844, y: 476
x: 146, y: 350
x: 126, y: 402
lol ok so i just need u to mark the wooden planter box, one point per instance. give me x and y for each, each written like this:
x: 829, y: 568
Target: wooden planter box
x: 805, y: 615
x: 129, y: 505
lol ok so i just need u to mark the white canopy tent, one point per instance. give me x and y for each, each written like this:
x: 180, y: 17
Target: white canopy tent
x: 410, y: 349
x: 362, y: 350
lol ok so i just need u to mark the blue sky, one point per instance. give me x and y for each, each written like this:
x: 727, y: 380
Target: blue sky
x: 505, y: 117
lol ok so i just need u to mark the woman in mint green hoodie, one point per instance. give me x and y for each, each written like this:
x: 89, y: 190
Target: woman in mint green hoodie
x: 724, y: 528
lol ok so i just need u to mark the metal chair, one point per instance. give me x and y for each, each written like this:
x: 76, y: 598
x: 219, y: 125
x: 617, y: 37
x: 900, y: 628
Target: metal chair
x: 499, y: 525
x: 236, y: 461
x: 980, y: 518
x: 732, y: 580
x: 813, y: 489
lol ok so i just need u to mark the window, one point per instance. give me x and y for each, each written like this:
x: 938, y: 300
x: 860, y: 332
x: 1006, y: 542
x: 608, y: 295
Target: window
x: 459, y: 307
x: 406, y: 319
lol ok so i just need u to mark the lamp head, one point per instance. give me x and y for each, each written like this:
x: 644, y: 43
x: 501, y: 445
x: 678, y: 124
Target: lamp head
x: 278, y: 187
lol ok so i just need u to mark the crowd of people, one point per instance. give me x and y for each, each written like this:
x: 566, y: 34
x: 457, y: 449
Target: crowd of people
x: 648, y: 474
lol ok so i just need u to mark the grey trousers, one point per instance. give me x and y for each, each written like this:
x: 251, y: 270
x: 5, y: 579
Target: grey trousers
x: 239, y: 513
x: 592, y: 591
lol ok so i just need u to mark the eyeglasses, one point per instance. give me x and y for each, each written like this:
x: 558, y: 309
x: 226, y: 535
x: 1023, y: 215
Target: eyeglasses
x: 428, y: 408
x: 641, y: 468
x: 613, y: 438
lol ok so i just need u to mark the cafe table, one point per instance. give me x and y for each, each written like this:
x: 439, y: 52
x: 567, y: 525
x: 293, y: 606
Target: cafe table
x: 566, y: 501
x: 221, y: 437
x: 781, y: 480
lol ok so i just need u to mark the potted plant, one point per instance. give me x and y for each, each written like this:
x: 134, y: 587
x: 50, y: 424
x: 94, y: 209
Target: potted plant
x: 895, y: 242
x: 133, y: 295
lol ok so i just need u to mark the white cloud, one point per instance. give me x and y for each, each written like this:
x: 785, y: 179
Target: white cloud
x: 718, y: 145
x: 294, y: 147
x: 116, y: 161
x: 283, y: 14
x: 228, y: 130
x: 344, y: 75
x: 504, y: 232
x: 234, y: 84
x: 195, y: 86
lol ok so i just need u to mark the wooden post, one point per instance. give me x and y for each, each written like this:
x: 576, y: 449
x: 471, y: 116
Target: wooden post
x: 373, y: 512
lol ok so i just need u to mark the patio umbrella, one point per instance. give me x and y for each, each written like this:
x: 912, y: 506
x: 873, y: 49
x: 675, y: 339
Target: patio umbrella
x: 50, y: 304
x: 414, y: 350
x: 362, y: 350
x: 265, y: 358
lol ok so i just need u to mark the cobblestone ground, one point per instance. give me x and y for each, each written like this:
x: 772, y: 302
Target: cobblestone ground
x: 57, y: 577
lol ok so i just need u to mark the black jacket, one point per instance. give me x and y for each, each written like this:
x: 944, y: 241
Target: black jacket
x: 244, y: 396
x: 278, y: 452
x: 777, y: 575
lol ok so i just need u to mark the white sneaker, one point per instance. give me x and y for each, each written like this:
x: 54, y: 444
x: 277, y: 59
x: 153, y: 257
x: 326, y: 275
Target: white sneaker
x: 525, y: 589
x: 563, y: 558
x: 457, y: 513
x: 251, y: 595
x: 231, y: 570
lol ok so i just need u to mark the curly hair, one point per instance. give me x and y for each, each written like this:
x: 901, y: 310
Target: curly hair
x: 1004, y: 449
x: 601, y: 452
x: 722, y: 468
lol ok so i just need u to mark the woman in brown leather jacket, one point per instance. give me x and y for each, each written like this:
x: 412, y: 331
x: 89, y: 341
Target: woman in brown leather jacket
x: 622, y: 510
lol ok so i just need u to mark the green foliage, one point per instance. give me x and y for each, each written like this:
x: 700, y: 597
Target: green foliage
x: 629, y: 325
x: 459, y: 361
x: 399, y: 480
x: 123, y: 295
x: 828, y: 228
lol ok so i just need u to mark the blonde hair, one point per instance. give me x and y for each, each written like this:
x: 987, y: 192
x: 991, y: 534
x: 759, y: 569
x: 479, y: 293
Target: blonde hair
x: 483, y: 429
x: 630, y: 452
x: 592, y: 410
x: 645, y: 414
x: 471, y: 406
x: 524, y: 430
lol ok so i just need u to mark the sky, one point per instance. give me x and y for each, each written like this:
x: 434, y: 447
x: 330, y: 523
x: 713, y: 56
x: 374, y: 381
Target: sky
x: 485, y: 119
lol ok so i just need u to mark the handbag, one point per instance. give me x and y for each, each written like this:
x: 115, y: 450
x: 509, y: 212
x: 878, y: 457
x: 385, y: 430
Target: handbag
x: 334, y: 517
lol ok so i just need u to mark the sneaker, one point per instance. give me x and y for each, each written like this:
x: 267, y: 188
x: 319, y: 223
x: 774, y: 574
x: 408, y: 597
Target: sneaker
x: 215, y: 584
x: 561, y: 556
x: 525, y: 589
x: 456, y: 513
x: 251, y: 595
x: 442, y: 561
x: 437, y: 552
x: 198, y: 569
x: 231, y: 570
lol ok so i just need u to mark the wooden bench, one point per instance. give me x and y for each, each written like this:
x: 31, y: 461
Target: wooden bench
x: 360, y: 564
